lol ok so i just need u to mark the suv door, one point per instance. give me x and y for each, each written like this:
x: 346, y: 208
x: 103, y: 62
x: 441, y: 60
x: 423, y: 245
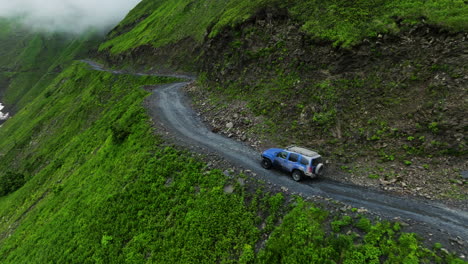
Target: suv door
x: 291, y: 162
x: 280, y: 159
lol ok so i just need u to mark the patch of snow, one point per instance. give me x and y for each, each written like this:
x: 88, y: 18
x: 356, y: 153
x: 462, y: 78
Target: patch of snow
x: 3, y: 116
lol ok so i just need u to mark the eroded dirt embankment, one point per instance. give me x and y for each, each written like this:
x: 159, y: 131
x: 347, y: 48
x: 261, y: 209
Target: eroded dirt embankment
x: 390, y: 112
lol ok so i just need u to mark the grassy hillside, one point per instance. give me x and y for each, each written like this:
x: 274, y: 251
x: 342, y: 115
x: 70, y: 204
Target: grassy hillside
x: 100, y: 187
x: 30, y: 60
x: 159, y: 23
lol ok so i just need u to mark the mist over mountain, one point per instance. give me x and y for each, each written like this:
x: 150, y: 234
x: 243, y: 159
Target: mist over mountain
x: 74, y: 16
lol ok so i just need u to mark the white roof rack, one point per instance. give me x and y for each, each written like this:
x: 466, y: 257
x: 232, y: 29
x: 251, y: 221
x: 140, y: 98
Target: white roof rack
x: 303, y: 151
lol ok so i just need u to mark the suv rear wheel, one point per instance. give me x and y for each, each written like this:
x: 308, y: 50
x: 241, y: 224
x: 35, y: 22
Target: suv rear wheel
x: 266, y: 164
x: 297, y: 175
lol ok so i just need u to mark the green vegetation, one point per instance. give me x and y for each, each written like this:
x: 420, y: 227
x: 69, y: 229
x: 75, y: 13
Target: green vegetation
x: 301, y: 239
x: 166, y: 22
x: 433, y: 126
x: 348, y: 22
x: 10, y: 182
x: 159, y: 23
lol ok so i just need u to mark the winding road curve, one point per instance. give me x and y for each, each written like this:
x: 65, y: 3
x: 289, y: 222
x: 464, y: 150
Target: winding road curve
x: 169, y: 105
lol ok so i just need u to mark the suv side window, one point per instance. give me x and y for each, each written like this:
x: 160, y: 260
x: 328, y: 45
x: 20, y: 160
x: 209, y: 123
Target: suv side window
x: 293, y: 157
x: 282, y: 155
x: 304, y: 161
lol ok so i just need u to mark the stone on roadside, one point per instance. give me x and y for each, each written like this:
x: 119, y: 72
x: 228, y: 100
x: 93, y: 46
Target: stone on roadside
x: 464, y: 175
x: 404, y: 224
x: 361, y: 210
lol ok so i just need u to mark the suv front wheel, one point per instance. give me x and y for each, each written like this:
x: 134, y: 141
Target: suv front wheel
x: 266, y: 164
x: 297, y: 175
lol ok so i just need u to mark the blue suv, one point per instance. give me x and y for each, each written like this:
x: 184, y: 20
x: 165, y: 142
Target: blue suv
x: 298, y: 161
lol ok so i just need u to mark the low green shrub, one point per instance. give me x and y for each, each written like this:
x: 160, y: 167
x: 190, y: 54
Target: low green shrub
x: 10, y: 182
x: 338, y: 224
x: 364, y: 224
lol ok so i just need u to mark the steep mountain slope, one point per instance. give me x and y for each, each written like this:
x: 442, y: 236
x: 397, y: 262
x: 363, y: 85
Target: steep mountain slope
x: 378, y: 87
x: 156, y: 24
x: 83, y: 178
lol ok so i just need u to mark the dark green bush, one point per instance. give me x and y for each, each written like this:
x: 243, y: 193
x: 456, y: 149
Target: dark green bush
x: 338, y: 224
x: 119, y: 133
x: 10, y: 182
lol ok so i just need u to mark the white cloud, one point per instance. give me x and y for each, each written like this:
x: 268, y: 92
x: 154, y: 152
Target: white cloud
x: 73, y: 16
